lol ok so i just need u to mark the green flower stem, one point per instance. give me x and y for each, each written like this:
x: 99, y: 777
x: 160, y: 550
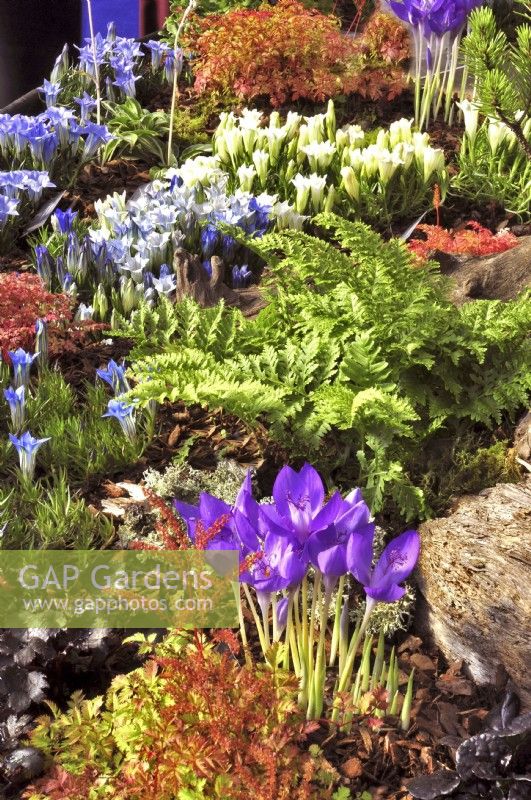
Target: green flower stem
x: 346, y: 674
x: 335, y: 633
x: 315, y: 707
x: 96, y: 65
x: 256, y: 618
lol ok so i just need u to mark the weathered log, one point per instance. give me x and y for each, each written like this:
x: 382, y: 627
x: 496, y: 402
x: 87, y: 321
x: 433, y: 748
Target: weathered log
x: 475, y: 577
x: 498, y: 277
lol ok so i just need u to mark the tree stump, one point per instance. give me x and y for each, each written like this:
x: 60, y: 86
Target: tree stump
x: 193, y: 281
x: 475, y: 576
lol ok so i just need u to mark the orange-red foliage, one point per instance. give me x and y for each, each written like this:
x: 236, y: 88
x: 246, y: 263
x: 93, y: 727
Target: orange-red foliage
x: 474, y: 240
x: 23, y: 300
x: 288, y: 51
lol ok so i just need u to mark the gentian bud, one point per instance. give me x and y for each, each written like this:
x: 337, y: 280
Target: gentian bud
x: 41, y: 342
x: 16, y: 401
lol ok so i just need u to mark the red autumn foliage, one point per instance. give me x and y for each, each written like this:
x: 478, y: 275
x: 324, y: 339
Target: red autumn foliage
x: 473, y: 240
x: 288, y: 52
x: 219, y: 718
x: 236, y: 728
x: 170, y: 528
x: 23, y: 300
x: 384, y: 38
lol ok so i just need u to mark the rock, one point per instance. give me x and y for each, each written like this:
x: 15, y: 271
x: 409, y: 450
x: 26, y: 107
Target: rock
x: 497, y: 277
x: 475, y: 578
x: 522, y: 438
x: 22, y: 765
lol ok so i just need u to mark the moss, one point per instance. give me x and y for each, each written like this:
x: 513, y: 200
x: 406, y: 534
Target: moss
x: 468, y: 469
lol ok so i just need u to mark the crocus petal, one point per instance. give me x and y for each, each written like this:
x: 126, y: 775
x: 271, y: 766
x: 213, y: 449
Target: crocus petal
x: 397, y: 560
x: 359, y: 555
x: 212, y: 508
x: 385, y: 594
x: 295, y: 488
x: 333, y: 561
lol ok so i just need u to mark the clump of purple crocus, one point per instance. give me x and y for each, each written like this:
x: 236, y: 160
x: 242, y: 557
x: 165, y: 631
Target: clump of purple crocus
x: 302, y: 533
x: 437, y: 27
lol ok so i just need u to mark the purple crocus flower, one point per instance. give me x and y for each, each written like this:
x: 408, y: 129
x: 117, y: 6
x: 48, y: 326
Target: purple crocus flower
x: 328, y: 548
x: 26, y: 447
x: 297, y: 513
x: 395, y: 564
x: 21, y: 361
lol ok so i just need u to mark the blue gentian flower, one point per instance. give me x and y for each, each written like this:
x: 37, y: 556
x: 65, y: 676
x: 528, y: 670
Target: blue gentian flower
x: 44, y: 264
x: 241, y: 276
x: 16, y: 401
x: 86, y: 105
x: 51, y: 91
x: 210, y: 237
x: 21, y: 362
x: 62, y: 221
x: 26, y: 447
x: 114, y: 375
x: 125, y: 414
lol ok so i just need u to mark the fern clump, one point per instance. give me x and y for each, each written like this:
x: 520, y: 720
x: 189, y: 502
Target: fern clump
x: 356, y: 363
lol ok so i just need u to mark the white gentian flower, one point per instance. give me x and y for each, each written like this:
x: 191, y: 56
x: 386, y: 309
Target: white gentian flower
x: 400, y: 131
x: 320, y: 155
x: 388, y: 164
x: 405, y: 152
x: 371, y: 156
x: 316, y: 127
x: 356, y: 135
x: 251, y: 119
x: 433, y: 161
x: 261, y: 163
x: 287, y: 217
x: 246, y: 175
x: 302, y: 185
x: 275, y: 140
x: 292, y: 123
x: 342, y: 140
x: 419, y: 142
x: 382, y: 139
x: 470, y: 116
x: 497, y: 132
x: 350, y: 183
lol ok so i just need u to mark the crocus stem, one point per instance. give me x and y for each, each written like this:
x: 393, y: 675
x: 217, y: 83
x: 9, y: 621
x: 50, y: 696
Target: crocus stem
x: 188, y: 10
x: 265, y: 623
x: 243, y: 632
x: 451, y: 78
x: 337, y: 617
x: 96, y: 65
x: 346, y: 674
x: 315, y: 706
x: 302, y: 634
x: 275, y: 618
x: 256, y: 618
x: 315, y: 597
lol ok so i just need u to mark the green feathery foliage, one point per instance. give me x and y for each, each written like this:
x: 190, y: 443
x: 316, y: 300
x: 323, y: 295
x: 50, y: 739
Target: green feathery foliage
x: 358, y: 359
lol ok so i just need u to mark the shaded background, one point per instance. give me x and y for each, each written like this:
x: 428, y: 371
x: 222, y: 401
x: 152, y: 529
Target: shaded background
x: 32, y: 33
